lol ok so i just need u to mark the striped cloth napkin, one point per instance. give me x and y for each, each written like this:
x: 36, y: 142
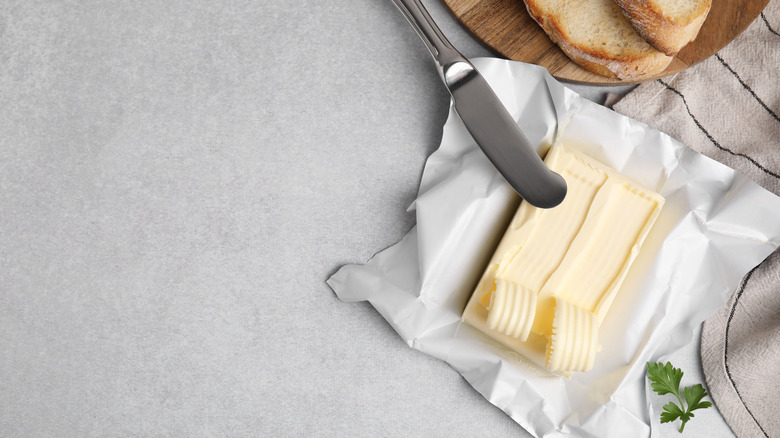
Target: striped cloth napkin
x: 728, y: 108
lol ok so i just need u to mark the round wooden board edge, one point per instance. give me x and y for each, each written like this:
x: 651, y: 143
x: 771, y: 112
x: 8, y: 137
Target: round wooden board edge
x: 589, y: 78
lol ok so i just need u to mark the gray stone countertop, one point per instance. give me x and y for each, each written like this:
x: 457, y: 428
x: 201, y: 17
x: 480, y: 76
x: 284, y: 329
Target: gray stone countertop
x: 177, y: 181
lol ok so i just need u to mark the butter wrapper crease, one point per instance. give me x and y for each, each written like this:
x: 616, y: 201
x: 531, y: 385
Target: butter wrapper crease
x: 715, y: 226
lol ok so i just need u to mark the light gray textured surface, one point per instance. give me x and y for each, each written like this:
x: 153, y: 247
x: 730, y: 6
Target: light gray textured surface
x: 177, y: 181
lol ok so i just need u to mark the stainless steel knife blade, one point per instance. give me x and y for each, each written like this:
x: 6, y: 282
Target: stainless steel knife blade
x: 485, y: 117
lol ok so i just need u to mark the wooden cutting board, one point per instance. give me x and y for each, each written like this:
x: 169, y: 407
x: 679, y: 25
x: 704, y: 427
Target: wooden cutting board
x: 506, y: 28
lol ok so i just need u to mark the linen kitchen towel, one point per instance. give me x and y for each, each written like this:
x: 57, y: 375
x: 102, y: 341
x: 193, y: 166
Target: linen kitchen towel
x: 728, y: 108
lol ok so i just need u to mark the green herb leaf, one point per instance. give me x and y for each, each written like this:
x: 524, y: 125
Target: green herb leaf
x: 693, y: 395
x: 665, y: 379
x: 671, y: 412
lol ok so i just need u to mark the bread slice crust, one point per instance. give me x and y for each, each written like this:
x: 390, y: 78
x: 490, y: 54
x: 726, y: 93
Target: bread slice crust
x: 638, y: 61
x: 668, y: 32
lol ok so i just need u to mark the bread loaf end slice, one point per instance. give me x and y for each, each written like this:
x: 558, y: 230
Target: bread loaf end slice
x: 668, y: 25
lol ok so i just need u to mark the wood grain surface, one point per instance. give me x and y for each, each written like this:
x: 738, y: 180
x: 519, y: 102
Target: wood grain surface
x: 505, y: 27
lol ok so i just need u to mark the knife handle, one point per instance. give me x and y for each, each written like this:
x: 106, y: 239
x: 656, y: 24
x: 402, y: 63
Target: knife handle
x: 443, y: 52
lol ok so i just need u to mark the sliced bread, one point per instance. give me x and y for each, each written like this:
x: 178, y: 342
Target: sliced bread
x: 668, y: 25
x: 596, y: 35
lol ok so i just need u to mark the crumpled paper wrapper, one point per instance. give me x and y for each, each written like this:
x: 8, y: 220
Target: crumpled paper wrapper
x: 715, y: 226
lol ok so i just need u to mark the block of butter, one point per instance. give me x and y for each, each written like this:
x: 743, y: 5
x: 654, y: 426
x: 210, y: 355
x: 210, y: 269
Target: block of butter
x: 555, y: 273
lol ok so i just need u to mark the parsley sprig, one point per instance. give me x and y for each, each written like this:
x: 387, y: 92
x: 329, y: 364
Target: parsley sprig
x: 666, y: 380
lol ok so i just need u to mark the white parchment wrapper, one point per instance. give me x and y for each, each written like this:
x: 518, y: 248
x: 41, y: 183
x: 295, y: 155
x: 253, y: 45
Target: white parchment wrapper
x: 715, y: 226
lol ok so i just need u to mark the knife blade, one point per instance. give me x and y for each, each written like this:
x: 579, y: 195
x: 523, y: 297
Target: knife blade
x: 485, y: 117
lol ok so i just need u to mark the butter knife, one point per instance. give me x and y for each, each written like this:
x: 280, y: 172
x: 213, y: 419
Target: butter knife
x: 485, y: 117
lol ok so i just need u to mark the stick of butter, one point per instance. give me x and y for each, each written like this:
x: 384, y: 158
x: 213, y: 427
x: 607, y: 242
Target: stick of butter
x: 556, y: 272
